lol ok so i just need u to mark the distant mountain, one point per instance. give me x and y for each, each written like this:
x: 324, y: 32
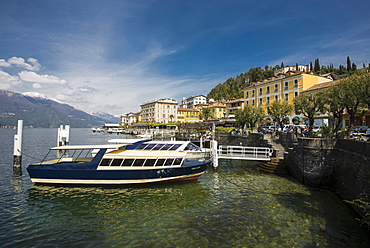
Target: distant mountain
x: 109, y: 118
x: 38, y: 110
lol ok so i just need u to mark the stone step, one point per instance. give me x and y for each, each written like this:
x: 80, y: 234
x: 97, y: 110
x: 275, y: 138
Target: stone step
x: 275, y: 166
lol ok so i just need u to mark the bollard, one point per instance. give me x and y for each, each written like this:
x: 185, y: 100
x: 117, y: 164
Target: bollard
x: 63, y: 135
x: 17, y: 159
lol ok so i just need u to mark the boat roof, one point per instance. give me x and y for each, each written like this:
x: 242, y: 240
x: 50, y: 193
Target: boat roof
x: 81, y: 147
x: 127, y: 141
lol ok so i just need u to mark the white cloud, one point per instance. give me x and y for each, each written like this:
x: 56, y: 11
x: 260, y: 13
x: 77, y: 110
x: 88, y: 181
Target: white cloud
x: 3, y: 63
x: 37, y: 86
x: 35, y: 63
x: 20, y: 62
x: 7, y: 80
x: 30, y: 76
x: 87, y: 89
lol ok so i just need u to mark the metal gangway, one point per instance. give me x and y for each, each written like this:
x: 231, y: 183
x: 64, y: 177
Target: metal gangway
x: 240, y: 152
x: 244, y: 152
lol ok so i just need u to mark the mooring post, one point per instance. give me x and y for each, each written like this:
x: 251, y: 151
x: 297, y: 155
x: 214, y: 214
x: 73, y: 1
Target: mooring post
x: 17, y: 161
x: 214, y: 154
x: 63, y: 135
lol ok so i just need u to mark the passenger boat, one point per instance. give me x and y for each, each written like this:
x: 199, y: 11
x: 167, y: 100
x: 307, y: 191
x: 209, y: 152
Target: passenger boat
x: 127, y: 162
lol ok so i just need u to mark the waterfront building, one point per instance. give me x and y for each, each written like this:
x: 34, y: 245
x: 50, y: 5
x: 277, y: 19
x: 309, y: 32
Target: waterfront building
x: 188, y: 115
x: 130, y: 118
x: 283, y: 87
x: 231, y: 106
x: 159, y: 111
x: 193, y: 101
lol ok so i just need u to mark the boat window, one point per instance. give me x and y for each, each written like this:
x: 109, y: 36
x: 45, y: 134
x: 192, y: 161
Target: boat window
x: 166, y: 147
x: 174, y: 147
x: 192, y: 147
x: 127, y: 162
x: 139, y: 162
x: 160, y: 162
x: 177, y: 161
x: 169, y: 162
x: 105, y: 162
x: 149, y: 147
x: 158, y: 147
x: 149, y: 162
x: 116, y: 162
x: 141, y: 146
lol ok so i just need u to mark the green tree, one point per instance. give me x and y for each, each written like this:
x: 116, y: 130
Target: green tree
x: 279, y: 111
x: 249, y: 116
x: 206, y: 114
x: 334, y: 105
x: 317, y: 66
x: 356, y: 90
x: 310, y: 105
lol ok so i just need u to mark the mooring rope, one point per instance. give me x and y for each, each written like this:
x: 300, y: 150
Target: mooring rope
x: 27, y: 155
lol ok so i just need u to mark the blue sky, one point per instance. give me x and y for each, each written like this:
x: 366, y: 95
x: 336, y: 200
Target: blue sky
x: 112, y: 56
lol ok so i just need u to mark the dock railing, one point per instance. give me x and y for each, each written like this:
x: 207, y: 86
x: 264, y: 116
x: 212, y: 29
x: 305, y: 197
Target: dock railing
x: 243, y: 152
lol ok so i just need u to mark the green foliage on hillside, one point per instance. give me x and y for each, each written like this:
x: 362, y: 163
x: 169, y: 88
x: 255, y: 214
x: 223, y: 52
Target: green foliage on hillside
x: 232, y: 87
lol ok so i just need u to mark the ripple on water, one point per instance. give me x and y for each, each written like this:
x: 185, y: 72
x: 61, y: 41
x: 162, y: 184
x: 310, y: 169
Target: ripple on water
x: 233, y: 207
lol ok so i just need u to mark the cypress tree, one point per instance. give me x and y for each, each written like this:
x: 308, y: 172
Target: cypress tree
x: 317, y: 65
x: 310, y: 69
x: 349, y: 68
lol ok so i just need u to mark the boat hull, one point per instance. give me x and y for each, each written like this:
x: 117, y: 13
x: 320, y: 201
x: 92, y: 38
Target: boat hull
x: 74, y: 175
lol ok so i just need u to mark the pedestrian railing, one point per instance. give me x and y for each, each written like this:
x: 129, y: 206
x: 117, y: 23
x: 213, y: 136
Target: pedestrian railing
x: 244, y: 152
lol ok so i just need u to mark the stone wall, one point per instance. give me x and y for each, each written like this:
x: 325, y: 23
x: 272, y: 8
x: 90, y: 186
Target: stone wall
x: 253, y: 139
x: 342, y: 165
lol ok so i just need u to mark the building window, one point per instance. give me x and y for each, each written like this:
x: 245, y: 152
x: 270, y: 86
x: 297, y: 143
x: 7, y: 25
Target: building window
x: 286, y: 97
x: 286, y: 86
x: 295, y: 94
x: 296, y: 83
x: 276, y: 97
x: 246, y: 94
x: 268, y: 100
x: 253, y: 94
x: 260, y: 101
x: 276, y: 88
x: 268, y: 90
x: 252, y: 102
x: 260, y: 91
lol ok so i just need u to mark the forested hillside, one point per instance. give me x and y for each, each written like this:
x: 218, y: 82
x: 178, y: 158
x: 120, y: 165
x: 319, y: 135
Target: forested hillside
x: 232, y: 87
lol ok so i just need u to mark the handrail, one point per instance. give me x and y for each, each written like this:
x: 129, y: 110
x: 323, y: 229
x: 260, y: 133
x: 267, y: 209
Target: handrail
x: 244, y: 152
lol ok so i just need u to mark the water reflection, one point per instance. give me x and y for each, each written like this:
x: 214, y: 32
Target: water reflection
x: 123, y: 215
x: 235, y: 206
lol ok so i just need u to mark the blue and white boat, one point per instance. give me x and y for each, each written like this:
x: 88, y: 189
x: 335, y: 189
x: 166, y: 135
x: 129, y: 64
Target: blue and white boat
x: 127, y: 162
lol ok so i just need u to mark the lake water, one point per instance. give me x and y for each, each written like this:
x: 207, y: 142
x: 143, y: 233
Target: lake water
x: 235, y: 206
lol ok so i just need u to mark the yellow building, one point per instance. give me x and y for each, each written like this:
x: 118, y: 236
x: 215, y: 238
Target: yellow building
x: 187, y: 115
x: 218, y: 110
x: 232, y: 106
x: 283, y: 87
